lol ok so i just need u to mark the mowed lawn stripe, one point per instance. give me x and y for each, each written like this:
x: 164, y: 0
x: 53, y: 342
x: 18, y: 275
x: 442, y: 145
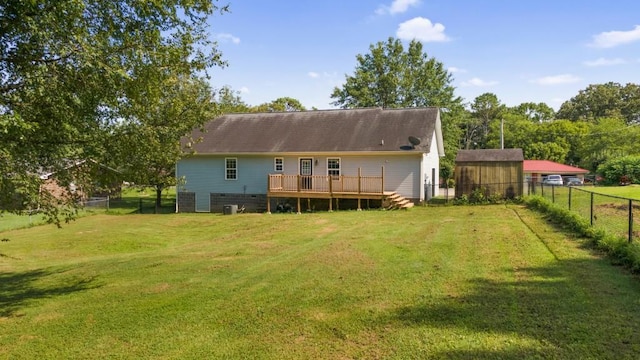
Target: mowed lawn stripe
x: 461, y: 282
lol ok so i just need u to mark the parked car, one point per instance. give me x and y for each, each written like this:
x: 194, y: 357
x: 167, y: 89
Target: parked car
x: 574, y: 181
x: 553, y: 180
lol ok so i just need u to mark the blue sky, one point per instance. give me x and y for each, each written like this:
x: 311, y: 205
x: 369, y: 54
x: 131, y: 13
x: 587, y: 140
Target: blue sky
x: 522, y: 51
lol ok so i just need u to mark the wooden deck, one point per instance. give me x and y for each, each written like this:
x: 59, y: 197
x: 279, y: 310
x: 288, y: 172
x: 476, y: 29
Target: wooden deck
x: 325, y: 187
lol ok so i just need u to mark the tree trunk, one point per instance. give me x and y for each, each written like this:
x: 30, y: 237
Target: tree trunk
x: 158, y: 199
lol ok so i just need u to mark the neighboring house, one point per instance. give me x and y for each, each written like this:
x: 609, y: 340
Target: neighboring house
x: 536, y: 170
x: 70, y: 183
x: 256, y: 160
x: 494, y: 171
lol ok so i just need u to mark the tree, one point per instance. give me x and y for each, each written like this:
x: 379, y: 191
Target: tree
x: 607, y: 139
x: 280, y: 105
x: 229, y: 101
x: 485, y: 109
x: 390, y: 77
x: 539, y: 112
x: 147, y: 142
x: 603, y: 100
x: 68, y: 69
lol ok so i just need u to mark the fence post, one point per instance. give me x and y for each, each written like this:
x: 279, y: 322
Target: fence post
x: 553, y: 194
x: 591, y: 210
x: 569, y: 198
x: 630, y: 220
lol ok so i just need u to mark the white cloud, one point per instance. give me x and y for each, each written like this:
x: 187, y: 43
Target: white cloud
x: 604, y: 62
x: 397, y: 7
x: 479, y: 82
x: 556, y: 79
x: 610, y: 39
x: 244, y: 90
x: 313, y: 74
x: 453, y: 69
x: 421, y: 29
x: 228, y: 38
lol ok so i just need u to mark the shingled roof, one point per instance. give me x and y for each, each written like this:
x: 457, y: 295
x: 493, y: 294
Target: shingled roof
x: 359, y: 130
x: 494, y: 155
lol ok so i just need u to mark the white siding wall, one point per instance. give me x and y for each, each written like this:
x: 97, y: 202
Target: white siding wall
x: 431, y: 161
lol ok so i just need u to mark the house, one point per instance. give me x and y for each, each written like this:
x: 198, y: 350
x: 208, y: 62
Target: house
x: 259, y: 160
x: 71, y: 180
x: 536, y: 170
x: 495, y: 171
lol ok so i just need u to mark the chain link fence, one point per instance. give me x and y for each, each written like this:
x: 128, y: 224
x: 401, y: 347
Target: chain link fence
x: 617, y: 215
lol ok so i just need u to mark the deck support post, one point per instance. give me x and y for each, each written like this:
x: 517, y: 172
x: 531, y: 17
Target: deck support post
x: 299, y: 212
x: 330, y: 204
x: 268, y: 205
x: 359, y: 207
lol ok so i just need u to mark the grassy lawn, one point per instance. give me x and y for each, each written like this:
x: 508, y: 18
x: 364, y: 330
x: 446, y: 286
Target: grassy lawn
x: 630, y: 191
x: 10, y: 221
x: 610, y: 205
x: 438, y: 282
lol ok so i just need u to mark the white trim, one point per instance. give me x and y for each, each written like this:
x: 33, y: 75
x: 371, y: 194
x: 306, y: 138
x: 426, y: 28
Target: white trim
x: 226, y: 169
x: 313, y: 162
x: 339, y: 165
x: 275, y: 164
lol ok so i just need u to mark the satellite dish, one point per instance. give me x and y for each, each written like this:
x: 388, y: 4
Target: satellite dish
x: 414, y: 141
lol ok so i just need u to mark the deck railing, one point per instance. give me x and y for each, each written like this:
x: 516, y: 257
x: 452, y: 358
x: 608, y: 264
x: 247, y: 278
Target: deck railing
x: 327, y: 184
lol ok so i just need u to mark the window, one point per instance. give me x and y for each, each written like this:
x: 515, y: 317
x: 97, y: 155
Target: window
x: 231, y: 169
x: 278, y: 164
x: 333, y: 167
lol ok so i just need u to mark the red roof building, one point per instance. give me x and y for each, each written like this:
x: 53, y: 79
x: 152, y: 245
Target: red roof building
x: 536, y: 169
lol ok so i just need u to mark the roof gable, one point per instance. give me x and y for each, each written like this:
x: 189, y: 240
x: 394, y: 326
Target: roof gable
x: 363, y: 130
x: 494, y: 155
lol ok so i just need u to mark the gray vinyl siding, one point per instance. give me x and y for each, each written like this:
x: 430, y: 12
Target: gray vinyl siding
x: 401, y: 173
x: 204, y: 175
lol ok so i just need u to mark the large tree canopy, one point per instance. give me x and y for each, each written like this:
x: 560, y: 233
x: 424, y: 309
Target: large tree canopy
x: 68, y: 69
x: 147, y: 144
x: 603, y: 100
x: 391, y: 77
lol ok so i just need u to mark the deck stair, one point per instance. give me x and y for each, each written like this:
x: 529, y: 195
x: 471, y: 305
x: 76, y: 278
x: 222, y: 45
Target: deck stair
x: 397, y: 201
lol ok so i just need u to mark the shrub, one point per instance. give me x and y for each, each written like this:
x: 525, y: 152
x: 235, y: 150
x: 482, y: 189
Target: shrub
x: 623, y: 169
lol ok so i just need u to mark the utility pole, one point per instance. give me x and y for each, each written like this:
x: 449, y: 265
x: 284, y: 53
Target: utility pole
x: 502, y: 133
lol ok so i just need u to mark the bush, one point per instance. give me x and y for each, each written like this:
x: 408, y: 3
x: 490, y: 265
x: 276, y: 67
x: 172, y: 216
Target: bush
x: 625, y: 170
x: 617, y: 248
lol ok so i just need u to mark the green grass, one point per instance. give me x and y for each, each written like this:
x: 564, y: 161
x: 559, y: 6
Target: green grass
x: 610, y: 205
x: 480, y: 282
x: 131, y: 201
x: 9, y: 221
x: 630, y: 191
